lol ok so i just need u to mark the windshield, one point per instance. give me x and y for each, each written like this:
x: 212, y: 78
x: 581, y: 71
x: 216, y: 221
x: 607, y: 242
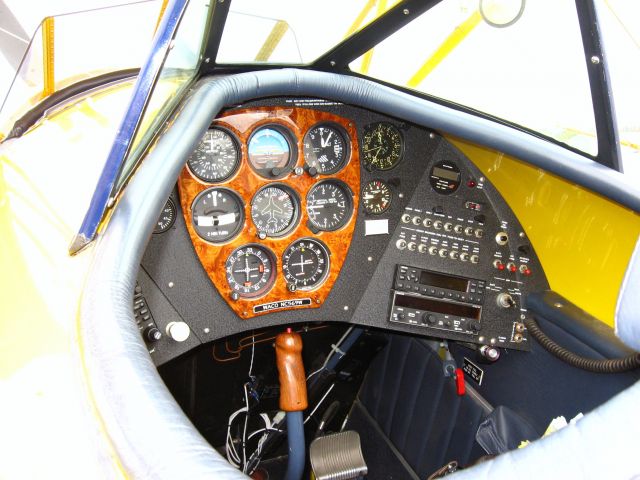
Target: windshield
x: 81, y: 45
x: 292, y: 31
x: 530, y: 71
x: 178, y: 69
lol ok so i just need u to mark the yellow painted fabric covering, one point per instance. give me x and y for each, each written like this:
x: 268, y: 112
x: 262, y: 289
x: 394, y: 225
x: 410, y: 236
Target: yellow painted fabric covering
x: 583, y: 240
x: 47, y: 178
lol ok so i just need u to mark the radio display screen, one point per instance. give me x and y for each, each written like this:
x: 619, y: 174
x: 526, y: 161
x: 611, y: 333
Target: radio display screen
x: 443, y: 281
x: 449, y: 175
x: 436, y: 306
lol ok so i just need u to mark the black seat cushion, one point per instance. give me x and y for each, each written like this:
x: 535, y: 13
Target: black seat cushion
x: 416, y: 409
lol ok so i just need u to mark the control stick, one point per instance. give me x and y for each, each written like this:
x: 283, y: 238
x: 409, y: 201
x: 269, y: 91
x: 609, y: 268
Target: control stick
x: 293, y: 397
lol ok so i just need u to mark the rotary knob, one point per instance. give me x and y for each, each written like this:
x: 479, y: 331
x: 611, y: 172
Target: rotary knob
x: 152, y: 334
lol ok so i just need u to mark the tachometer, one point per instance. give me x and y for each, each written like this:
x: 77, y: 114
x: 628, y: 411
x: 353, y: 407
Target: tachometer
x: 271, y: 151
x: 376, y: 197
x: 250, y: 271
x: 216, y: 158
x: 275, y: 210
x: 325, y: 149
x: 382, y: 146
x: 305, y: 264
x: 218, y: 214
x: 329, y: 205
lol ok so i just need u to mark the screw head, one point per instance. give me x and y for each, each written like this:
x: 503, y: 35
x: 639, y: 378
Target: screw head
x: 595, y: 60
x: 170, y: 284
x: 405, y: 11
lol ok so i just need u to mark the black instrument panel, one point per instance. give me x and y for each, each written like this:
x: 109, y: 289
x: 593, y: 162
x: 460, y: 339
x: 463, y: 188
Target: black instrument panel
x: 425, y: 206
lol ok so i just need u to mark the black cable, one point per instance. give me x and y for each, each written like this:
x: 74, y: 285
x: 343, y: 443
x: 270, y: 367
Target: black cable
x: 617, y: 365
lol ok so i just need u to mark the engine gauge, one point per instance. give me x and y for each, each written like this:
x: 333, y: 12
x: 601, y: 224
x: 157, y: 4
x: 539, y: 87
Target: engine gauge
x: 250, y: 271
x: 216, y: 158
x: 376, y: 197
x: 329, y: 205
x: 382, y: 146
x: 275, y: 210
x: 167, y: 217
x: 218, y: 214
x: 305, y: 264
x: 271, y: 151
x: 325, y: 149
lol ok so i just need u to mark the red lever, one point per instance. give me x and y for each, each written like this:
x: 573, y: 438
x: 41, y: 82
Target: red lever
x: 459, y: 376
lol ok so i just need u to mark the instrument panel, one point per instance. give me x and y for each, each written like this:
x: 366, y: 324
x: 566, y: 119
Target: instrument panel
x: 304, y: 210
x: 270, y: 199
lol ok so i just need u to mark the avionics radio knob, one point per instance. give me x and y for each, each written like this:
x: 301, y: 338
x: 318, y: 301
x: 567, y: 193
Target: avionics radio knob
x: 152, y: 334
x: 453, y: 254
x: 411, y: 246
x: 448, y: 227
x: 464, y: 257
x: 416, y: 221
x: 505, y: 300
x: 401, y: 244
x: 474, y: 258
x: 422, y: 248
x: 458, y: 229
x: 427, y: 222
x: 478, y: 232
x: 428, y: 318
x: 178, y: 331
x: 443, y: 252
x: 468, y: 231
x: 432, y: 250
x: 406, y: 218
x: 437, y: 224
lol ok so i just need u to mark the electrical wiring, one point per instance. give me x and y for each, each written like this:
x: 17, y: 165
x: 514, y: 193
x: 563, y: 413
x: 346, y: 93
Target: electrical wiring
x: 334, y: 348
x: 320, y: 402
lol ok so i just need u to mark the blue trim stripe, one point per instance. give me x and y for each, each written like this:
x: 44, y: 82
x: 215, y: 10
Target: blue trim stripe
x: 142, y: 91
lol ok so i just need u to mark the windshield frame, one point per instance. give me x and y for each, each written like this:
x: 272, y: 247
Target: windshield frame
x: 103, y: 196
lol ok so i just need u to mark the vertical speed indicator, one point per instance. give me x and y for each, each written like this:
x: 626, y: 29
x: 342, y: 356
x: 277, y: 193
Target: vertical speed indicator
x: 329, y: 205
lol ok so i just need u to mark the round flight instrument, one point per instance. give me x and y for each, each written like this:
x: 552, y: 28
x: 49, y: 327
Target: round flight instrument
x: 167, y: 217
x: 445, y: 177
x: 275, y: 210
x: 271, y: 151
x: 376, y: 197
x: 325, y: 149
x: 382, y: 146
x: 250, y: 271
x: 216, y: 158
x: 329, y: 205
x: 305, y: 264
x: 218, y: 214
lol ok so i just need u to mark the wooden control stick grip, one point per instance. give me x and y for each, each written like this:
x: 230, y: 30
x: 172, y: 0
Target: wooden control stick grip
x: 293, y: 384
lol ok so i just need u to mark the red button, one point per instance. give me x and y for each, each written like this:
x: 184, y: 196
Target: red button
x: 513, y: 268
x: 527, y: 272
x: 460, y: 389
x: 500, y: 266
x: 471, y: 183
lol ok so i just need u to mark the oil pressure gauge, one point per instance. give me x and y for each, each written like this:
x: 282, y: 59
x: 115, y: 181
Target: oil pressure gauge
x: 376, y: 197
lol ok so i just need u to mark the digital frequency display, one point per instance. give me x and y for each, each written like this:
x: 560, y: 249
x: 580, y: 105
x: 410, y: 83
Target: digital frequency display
x: 446, y: 308
x: 443, y: 281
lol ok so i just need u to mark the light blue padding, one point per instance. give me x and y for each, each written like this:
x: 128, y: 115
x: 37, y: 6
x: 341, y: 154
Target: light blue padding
x: 628, y: 308
x: 147, y: 430
x: 603, y: 444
